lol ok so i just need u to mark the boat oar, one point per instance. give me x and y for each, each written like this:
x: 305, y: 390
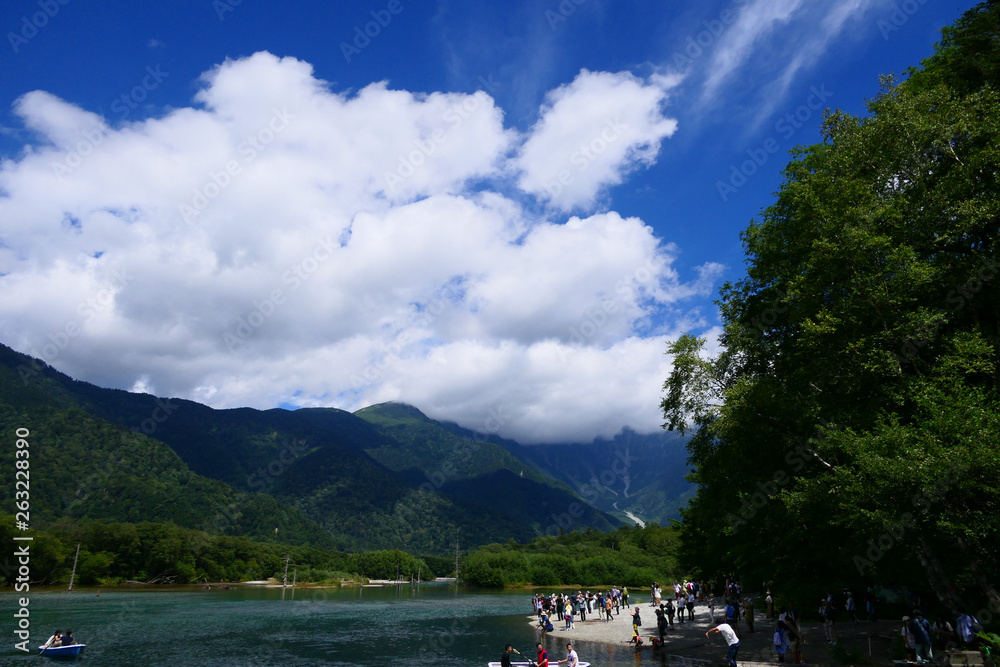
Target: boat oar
x: 530, y: 661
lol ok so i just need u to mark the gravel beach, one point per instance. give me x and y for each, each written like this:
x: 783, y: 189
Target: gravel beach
x: 688, y: 640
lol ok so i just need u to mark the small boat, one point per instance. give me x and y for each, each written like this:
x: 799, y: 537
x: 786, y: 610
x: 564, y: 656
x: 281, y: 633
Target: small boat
x: 529, y: 664
x: 70, y: 651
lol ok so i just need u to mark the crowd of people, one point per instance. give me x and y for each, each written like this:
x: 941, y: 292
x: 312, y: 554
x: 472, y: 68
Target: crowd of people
x: 919, y: 635
x: 570, y: 607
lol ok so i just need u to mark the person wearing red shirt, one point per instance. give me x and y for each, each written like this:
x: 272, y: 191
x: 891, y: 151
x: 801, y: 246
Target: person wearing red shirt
x: 543, y: 656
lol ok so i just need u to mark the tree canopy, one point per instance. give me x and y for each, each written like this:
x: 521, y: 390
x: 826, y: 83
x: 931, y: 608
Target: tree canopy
x: 847, y: 430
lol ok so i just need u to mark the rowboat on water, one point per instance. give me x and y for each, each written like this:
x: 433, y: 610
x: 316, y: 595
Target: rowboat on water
x: 529, y: 664
x: 70, y: 651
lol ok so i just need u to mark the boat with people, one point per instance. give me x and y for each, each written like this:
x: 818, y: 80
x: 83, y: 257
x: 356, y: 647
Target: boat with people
x: 70, y: 651
x: 528, y: 664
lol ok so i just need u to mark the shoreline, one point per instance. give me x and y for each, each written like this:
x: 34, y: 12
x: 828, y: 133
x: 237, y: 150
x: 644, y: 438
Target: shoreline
x: 219, y: 586
x: 687, y: 640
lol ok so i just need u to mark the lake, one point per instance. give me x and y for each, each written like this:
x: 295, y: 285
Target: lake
x: 433, y: 625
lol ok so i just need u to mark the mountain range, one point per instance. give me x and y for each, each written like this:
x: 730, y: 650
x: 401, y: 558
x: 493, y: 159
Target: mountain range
x: 386, y: 476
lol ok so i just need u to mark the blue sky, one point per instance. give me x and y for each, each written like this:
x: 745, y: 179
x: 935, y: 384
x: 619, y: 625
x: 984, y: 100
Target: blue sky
x: 498, y: 212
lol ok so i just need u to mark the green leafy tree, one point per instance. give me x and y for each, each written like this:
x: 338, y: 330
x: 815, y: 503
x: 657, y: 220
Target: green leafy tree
x: 848, y: 429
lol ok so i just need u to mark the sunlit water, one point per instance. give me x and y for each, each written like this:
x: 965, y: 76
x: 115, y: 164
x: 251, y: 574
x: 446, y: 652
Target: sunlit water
x: 433, y: 625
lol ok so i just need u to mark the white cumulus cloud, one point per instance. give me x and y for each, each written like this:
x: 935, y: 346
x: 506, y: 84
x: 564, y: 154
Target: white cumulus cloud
x: 591, y: 133
x: 280, y: 242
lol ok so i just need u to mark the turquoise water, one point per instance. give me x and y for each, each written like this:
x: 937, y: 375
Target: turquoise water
x: 434, y: 625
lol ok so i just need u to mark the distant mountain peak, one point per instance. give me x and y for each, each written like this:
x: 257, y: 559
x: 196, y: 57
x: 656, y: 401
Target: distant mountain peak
x: 393, y: 410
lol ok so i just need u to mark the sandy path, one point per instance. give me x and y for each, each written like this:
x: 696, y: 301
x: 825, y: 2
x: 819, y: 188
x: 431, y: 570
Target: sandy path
x: 688, y: 639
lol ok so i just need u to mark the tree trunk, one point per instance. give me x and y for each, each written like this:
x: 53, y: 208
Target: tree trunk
x: 939, y: 579
x: 980, y: 575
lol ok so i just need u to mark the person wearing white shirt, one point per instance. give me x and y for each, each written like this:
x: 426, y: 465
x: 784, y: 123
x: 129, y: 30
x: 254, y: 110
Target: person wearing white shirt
x: 729, y: 634
x: 572, y: 660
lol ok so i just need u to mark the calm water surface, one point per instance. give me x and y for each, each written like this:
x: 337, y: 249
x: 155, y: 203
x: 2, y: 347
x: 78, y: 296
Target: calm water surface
x: 434, y: 625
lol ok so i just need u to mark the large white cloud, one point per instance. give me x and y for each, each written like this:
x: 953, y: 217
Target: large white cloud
x: 280, y: 242
x: 591, y: 133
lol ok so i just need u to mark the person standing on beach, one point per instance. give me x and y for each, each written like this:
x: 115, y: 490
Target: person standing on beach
x: 830, y: 622
x: 921, y: 629
x: 748, y: 612
x: 732, y: 640
x: 636, y: 622
x: 733, y: 616
x: 852, y: 608
x: 781, y: 640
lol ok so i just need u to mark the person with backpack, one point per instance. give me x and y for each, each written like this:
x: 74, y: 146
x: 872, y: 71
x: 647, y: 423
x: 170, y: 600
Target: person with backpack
x: 781, y: 640
x: 909, y: 640
x: 921, y: 629
x: 636, y: 622
x: 967, y: 626
x: 830, y: 621
x: 732, y: 616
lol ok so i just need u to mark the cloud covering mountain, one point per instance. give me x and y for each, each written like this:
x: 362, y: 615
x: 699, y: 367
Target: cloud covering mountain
x: 282, y: 242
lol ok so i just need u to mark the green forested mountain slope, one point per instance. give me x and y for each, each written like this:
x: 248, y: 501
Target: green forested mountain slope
x: 83, y: 467
x: 643, y: 474
x: 281, y: 466
x: 440, y: 454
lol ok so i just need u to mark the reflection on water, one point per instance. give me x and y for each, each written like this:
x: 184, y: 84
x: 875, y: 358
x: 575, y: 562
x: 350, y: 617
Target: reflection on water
x: 429, y: 625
